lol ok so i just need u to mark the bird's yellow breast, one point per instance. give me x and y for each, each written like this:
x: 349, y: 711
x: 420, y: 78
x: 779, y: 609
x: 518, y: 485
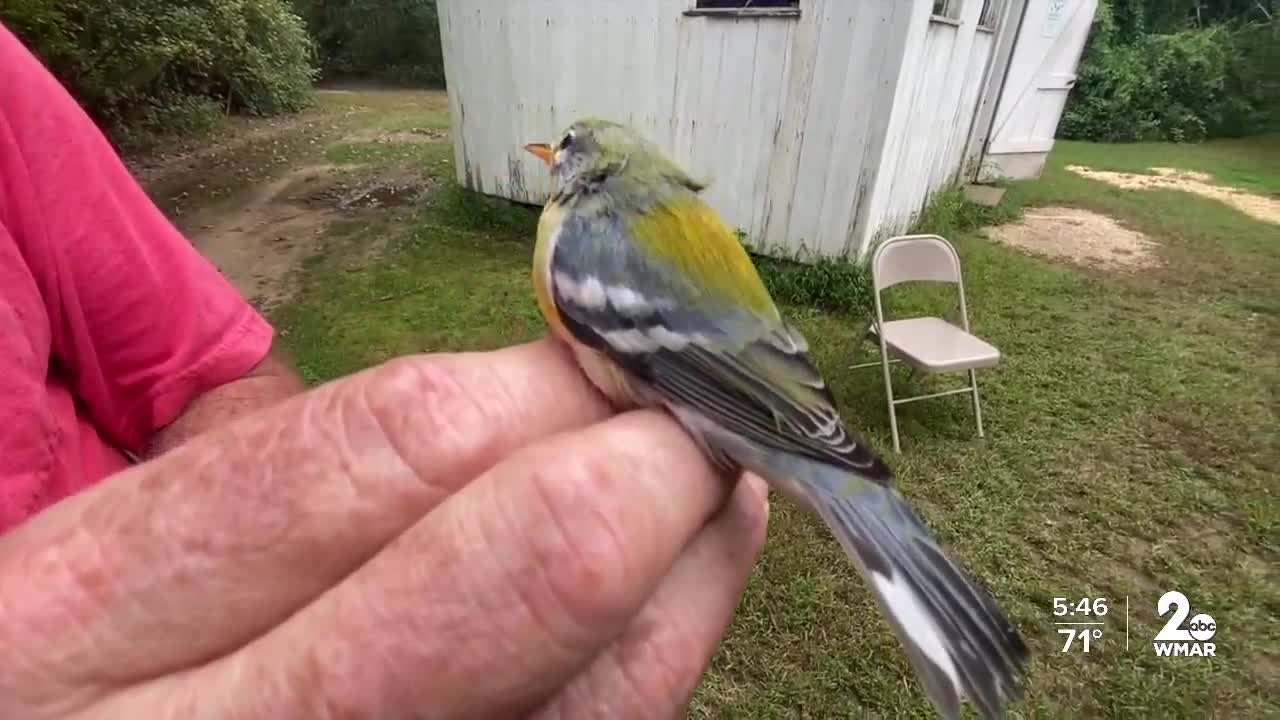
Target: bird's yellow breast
x: 549, y: 224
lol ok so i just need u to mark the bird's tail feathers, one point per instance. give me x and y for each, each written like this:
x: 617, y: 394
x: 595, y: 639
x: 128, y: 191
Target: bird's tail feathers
x: 957, y: 639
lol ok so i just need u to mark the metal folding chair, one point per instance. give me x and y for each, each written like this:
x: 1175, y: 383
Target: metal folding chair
x: 931, y: 344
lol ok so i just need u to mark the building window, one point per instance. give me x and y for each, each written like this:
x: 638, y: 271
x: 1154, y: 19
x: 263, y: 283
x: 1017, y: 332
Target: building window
x: 746, y: 8
x: 992, y: 11
x: 947, y: 9
x: 745, y: 4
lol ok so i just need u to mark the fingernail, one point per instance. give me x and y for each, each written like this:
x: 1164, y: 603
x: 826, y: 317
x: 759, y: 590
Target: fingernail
x: 758, y: 486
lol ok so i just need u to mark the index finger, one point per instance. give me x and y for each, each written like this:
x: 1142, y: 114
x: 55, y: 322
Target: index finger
x: 193, y: 554
x: 491, y: 603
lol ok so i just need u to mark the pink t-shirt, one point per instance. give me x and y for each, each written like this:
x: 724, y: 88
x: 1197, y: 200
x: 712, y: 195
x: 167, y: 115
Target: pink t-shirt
x: 110, y: 321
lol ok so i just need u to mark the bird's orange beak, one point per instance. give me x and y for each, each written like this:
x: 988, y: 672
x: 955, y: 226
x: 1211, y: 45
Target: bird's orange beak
x: 543, y: 151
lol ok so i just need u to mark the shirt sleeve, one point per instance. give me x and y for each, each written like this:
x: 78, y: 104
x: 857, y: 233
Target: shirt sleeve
x: 140, y: 322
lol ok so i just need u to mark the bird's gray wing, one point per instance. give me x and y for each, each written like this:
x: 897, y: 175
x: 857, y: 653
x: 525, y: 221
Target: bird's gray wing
x: 748, y: 374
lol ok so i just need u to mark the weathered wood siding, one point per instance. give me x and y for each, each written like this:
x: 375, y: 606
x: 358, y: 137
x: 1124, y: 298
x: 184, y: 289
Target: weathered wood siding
x: 785, y: 116
x: 943, y: 75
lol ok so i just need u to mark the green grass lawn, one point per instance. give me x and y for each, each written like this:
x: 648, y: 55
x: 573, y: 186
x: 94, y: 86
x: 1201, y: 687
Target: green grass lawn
x: 1132, y: 441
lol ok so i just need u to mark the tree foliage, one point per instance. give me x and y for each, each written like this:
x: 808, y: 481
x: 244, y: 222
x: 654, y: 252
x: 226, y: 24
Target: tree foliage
x: 1181, y: 70
x: 167, y: 65
x: 392, y: 40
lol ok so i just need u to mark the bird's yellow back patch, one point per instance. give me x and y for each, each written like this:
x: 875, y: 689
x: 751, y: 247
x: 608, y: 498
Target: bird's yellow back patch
x: 687, y: 233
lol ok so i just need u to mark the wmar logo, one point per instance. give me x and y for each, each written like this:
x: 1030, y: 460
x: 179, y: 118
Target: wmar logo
x: 1173, y: 639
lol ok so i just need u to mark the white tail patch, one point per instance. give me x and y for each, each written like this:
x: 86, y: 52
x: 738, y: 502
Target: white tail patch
x: 916, y: 623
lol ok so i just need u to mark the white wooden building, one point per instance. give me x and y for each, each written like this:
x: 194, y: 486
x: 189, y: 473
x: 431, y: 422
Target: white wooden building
x: 823, y: 125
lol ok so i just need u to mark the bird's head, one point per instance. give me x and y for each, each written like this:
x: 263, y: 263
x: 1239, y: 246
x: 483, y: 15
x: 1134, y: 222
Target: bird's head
x: 594, y: 149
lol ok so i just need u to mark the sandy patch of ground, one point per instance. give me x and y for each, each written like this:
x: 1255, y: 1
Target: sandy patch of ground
x: 1256, y: 206
x: 1079, y: 236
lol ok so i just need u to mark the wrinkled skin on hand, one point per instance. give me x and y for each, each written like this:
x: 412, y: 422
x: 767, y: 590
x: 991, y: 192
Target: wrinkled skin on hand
x: 444, y: 536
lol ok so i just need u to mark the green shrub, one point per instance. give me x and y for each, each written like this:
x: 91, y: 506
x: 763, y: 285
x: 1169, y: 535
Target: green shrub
x: 1253, y: 82
x: 844, y: 285
x: 389, y: 40
x: 950, y: 213
x: 157, y: 65
x: 168, y: 114
x: 1148, y: 75
x: 834, y: 284
x: 1162, y: 87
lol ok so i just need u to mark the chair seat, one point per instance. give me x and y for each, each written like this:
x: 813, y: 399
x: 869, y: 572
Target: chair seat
x: 935, y: 345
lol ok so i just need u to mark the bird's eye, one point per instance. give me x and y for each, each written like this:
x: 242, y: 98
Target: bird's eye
x: 565, y: 142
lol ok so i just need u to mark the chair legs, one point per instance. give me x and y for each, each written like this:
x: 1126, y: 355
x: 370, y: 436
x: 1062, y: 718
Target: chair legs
x: 977, y: 404
x: 888, y: 394
x: 892, y: 404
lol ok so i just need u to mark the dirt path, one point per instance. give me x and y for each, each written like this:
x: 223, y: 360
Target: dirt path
x: 259, y: 197
x: 259, y: 242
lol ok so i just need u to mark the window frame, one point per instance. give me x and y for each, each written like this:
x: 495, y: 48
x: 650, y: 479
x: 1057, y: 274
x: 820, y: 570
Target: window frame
x: 744, y: 8
x: 947, y: 12
x: 991, y: 13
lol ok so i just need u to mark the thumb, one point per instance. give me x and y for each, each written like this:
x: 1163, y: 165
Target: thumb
x: 189, y: 556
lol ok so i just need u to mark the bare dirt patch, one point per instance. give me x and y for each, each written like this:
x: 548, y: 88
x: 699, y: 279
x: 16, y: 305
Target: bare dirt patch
x: 276, y: 225
x: 160, y: 164
x: 389, y: 188
x: 1078, y: 236
x: 256, y: 246
x: 256, y: 198
x: 1256, y: 206
x: 411, y: 136
x: 1124, y: 566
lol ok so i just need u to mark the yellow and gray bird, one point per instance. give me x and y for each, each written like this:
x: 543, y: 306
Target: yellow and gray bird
x: 664, y: 308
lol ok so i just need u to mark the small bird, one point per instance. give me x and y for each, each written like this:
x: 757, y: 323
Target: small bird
x: 663, y: 307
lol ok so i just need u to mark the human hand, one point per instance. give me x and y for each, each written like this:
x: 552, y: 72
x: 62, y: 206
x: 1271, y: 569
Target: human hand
x: 446, y: 536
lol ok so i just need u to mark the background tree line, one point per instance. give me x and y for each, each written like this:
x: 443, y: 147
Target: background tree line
x: 1180, y: 70
x: 140, y: 66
